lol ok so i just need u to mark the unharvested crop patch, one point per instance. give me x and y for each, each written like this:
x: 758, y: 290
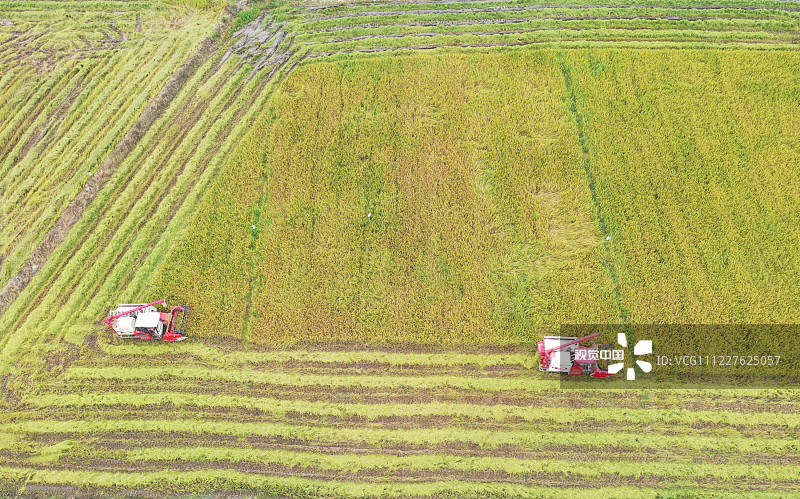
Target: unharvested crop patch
x: 430, y: 234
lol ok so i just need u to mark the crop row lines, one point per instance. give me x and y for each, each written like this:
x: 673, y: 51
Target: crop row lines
x: 235, y: 129
x: 569, y: 43
x: 394, y: 422
x: 277, y: 377
x: 550, y: 36
x: 428, y: 468
x: 28, y: 445
x: 330, y: 488
x: 109, y: 132
x: 538, y: 438
x: 373, y: 411
x: 156, y: 79
x: 498, y: 26
x: 143, y: 216
x: 270, y: 367
x: 642, y: 33
x: 233, y: 103
x: 86, y: 140
x: 97, y: 360
x: 687, y: 10
x: 556, y: 20
x: 15, y: 312
x: 378, y: 395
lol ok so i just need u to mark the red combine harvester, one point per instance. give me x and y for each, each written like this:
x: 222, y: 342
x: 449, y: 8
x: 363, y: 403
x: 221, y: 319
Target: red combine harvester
x: 561, y: 354
x: 144, y: 321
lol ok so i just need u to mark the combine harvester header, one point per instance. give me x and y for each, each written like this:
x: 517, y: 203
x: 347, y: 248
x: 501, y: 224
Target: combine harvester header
x: 144, y: 321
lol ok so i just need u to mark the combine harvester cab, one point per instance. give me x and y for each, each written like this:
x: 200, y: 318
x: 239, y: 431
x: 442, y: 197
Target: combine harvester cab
x: 146, y: 322
x: 564, y: 354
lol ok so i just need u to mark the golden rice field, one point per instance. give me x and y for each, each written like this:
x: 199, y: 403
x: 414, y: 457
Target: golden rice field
x: 386, y: 212
x: 375, y: 210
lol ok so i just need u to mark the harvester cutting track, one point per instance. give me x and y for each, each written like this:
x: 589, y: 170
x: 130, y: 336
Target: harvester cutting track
x: 146, y: 322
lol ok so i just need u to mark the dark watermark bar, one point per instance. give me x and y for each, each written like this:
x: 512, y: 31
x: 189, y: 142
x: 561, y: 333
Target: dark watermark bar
x: 696, y: 356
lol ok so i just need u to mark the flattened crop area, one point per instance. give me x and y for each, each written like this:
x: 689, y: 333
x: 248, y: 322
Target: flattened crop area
x: 383, y: 422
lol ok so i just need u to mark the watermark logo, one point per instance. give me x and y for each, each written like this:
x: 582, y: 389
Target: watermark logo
x: 593, y: 354
x: 642, y: 347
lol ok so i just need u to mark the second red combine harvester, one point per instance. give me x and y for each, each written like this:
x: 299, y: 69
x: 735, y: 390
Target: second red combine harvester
x: 562, y: 354
x: 146, y: 322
